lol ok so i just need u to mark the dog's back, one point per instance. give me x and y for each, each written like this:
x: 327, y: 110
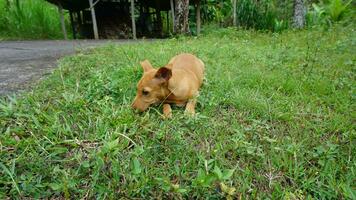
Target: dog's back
x: 188, y: 62
x: 187, y: 76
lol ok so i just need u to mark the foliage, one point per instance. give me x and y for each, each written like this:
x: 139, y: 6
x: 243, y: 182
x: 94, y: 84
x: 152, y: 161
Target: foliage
x: 216, y: 11
x: 274, y: 15
x: 337, y: 9
x: 330, y: 12
x: 274, y: 121
x: 316, y: 15
x: 30, y: 19
x: 262, y: 15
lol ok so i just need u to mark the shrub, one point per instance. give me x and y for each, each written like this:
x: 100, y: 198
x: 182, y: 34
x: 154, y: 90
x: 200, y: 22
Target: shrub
x: 326, y: 13
x: 31, y: 19
x: 261, y: 15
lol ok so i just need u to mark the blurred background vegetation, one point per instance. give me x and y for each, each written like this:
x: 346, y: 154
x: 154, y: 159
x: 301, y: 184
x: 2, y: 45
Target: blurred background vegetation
x: 275, y: 15
x: 30, y: 19
x: 37, y: 19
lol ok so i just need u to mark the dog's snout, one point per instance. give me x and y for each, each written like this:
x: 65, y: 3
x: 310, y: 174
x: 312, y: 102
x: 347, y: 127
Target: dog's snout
x: 135, y: 109
x: 133, y: 106
x: 136, y: 105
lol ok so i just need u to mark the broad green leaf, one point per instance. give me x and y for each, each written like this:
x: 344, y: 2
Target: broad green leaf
x: 227, y: 174
x: 55, y: 186
x: 136, y: 166
x: 218, y: 172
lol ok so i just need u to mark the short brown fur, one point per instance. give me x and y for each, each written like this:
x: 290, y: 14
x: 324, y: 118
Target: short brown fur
x: 176, y: 83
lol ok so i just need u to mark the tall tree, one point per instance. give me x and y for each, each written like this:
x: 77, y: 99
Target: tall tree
x: 181, y: 16
x: 299, y: 14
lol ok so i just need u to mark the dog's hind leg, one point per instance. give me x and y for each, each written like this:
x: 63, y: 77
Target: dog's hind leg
x: 167, y: 110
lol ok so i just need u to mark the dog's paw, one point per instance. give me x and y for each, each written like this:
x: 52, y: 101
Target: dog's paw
x: 167, y: 111
x: 190, y: 113
x: 167, y: 115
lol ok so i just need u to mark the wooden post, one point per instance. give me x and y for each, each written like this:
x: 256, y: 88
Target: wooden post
x: 167, y: 20
x: 72, y: 23
x: 133, y: 19
x: 234, y: 12
x: 198, y: 17
x: 61, y: 15
x: 79, y: 15
x: 172, y: 12
x: 95, y: 27
x: 159, y: 21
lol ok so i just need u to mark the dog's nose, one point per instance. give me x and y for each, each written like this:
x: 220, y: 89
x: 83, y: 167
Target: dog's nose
x: 136, y: 107
x: 133, y: 105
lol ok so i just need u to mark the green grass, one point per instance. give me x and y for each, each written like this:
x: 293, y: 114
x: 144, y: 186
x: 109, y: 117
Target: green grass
x: 275, y: 120
x: 30, y: 19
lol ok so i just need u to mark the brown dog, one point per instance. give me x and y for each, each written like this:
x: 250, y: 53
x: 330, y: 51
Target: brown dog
x: 178, y: 82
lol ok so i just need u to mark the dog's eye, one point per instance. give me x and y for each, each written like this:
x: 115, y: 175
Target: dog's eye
x: 145, y: 93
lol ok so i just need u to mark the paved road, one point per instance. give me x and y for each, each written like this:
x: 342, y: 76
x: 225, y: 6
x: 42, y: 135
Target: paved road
x: 24, y: 62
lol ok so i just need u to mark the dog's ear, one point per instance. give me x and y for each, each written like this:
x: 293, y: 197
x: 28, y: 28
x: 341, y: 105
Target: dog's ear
x: 146, y: 65
x: 163, y: 74
x: 169, y: 66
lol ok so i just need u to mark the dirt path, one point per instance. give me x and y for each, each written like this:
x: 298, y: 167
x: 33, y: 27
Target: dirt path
x: 24, y: 62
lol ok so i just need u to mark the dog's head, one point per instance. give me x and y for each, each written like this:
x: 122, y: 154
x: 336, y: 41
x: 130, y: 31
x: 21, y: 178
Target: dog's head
x: 152, y: 88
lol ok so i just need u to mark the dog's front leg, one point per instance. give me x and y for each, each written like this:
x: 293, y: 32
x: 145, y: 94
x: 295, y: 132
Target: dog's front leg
x: 167, y: 110
x: 190, y: 107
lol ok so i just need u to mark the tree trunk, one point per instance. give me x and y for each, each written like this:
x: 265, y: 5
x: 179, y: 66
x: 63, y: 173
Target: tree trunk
x: 173, y: 20
x: 182, y: 16
x: 299, y: 14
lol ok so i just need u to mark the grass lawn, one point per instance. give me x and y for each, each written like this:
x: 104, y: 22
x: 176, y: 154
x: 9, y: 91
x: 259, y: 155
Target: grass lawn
x: 276, y: 119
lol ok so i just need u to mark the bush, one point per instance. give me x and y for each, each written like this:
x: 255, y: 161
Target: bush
x: 274, y: 15
x: 31, y: 19
x: 326, y: 13
x: 251, y: 15
x: 337, y: 10
x: 260, y: 15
